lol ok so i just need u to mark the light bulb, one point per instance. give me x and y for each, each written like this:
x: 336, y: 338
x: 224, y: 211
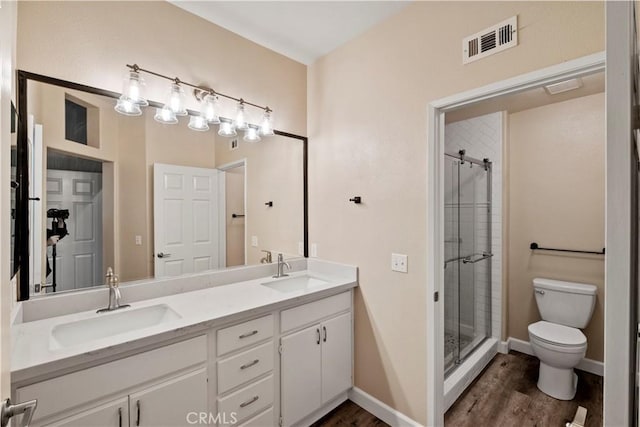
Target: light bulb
x: 176, y: 100
x: 227, y: 129
x: 266, y: 126
x: 209, y: 109
x: 133, y: 88
x: 198, y: 123
x: 165, y: 115
x: 127, y: 107
x: 251, y: 135
x: 241, y: 117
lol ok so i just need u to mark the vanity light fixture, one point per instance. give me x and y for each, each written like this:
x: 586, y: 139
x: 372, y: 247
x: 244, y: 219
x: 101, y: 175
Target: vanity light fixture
x: 165, y: 115
x: 252, y: 134
x: 133, y: 99
x: 227, y: 128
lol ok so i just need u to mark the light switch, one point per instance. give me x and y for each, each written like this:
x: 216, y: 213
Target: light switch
x: 314, y: 250
x: 138, y: 240
x: 399, y: 263
x: 254, y: 241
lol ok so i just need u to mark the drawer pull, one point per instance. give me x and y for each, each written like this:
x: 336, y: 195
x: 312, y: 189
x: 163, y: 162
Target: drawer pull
x: 249, y: 402
x: 324, y: 329
x: 318, y: 332
x: 138, y: 411
x: 250, y: 364
x: 248, y: 334
x: 119, y: 417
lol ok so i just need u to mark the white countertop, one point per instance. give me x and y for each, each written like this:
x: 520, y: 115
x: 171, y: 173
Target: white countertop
x: 35, y: 353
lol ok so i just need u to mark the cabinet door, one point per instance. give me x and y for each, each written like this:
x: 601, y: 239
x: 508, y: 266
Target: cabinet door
x: 115, y: 414
x: 301, y: 377
x: 170, y: 403
x: 336, y: 356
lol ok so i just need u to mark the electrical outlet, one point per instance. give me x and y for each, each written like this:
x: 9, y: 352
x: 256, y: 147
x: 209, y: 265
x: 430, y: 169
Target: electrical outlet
x: 300, y: 248
x: 314, y: 250
x: 138, y: 240
x: 399, y: 263
x: 254, y: 241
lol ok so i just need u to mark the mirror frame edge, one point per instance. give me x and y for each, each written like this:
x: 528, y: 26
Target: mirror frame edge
x: 21, y: 241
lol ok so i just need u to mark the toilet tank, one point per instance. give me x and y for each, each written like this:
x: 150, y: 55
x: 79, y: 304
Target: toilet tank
x: 565, y: 303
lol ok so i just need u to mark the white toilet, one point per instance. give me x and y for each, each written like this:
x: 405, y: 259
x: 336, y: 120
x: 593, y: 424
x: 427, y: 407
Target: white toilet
x: 565, y: 308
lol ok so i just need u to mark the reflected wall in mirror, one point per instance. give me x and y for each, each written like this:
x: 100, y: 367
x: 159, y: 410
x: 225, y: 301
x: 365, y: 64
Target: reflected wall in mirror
x: 147, y: 198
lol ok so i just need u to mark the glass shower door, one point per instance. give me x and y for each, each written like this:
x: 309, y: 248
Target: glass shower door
x: 468, y: 257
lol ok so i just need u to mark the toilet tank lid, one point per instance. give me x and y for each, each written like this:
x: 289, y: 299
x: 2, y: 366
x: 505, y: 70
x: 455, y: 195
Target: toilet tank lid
x: 562, y: 286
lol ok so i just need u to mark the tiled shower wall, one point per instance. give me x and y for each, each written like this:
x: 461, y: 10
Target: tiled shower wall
x: 481, y: 137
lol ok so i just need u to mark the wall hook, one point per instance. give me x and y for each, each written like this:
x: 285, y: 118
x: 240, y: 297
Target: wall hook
x: 356, y: 199
x: 269, y: 203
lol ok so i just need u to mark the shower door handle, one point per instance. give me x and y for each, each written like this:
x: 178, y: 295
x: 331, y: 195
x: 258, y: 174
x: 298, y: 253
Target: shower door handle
x: 484, y: 255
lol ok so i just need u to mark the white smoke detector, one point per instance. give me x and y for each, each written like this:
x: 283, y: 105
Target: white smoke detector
x: 491, y: 40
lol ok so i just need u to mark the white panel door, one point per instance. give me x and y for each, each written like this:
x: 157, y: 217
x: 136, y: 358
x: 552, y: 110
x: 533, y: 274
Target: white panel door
x: 336, y: 356
x: 79, y: 255
x: 301, y: 376
x: 171, y: 402
x: 186, y: 219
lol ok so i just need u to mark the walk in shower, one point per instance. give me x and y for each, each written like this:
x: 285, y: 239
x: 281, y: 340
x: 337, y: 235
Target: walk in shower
x: 467, y: 249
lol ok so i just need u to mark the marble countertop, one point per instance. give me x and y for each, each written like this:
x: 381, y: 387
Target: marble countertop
x: 36, y: 353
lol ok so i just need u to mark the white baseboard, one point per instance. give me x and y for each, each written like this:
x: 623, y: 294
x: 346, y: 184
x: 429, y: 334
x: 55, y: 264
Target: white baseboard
x: 503, y: 347
x: 587, y: 365
x: 380, y: 409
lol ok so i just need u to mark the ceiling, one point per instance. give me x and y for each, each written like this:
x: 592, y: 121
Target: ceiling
x: 300, y: 30
x: 531, y: 98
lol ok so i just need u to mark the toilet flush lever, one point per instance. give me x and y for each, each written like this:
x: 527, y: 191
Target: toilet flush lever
x: 539, y: 291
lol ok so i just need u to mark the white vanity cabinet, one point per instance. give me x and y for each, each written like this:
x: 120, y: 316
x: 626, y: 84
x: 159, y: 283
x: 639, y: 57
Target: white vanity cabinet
x: 316, y: 361
x: 157, y: 387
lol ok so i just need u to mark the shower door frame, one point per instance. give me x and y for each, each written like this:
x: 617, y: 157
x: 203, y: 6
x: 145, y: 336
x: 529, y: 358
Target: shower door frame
x: 488, y: 167
x: 436, y: 110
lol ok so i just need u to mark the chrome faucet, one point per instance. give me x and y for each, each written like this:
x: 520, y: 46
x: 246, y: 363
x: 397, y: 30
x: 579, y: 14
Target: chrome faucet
x: 114, y: 292
x: 281, y: 264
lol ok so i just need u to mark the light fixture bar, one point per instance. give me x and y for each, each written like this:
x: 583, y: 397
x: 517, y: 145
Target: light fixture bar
x: 177, y: 80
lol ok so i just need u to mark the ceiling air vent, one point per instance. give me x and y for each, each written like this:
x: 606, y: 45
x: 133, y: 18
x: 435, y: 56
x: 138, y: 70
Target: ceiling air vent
x: 492, y: 40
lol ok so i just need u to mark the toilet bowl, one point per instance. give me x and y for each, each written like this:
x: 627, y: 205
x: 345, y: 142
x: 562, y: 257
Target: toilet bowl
x: 565, y: 308
x: 560, y: 348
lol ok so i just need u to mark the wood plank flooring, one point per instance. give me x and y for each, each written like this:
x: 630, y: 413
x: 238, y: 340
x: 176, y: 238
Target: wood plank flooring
x: 349, y: 414
x: 505, y: 394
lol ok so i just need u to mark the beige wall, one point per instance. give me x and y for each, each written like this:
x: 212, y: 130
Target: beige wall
x: 556, y: 198
x: 279, y: 228
x: 234, y: 203
x: 367, y: 131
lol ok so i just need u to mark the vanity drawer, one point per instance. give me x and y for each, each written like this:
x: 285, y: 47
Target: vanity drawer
x: 314, y: 311
x: 249, y: 400
x: 242, y: 335
x: 244, y: 367
x: 261, y: 420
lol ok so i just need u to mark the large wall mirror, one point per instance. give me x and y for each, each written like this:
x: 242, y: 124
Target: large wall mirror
x: 149, y: 199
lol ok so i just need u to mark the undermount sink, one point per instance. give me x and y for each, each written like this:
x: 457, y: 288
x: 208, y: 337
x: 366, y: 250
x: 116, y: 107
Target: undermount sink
x: 105, y: 325
x: 296, y: 283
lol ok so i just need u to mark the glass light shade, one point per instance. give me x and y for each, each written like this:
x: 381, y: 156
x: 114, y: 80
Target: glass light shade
x: 133, y: 88
x: 227, y: 129
x: 241, y: 117
x: 127, y: 107
x: 198, y: 123
x: 266, y: 126
x: 176, y: 100
x: 209, y: 109
x: 165, y: 115
x: 251, y: 135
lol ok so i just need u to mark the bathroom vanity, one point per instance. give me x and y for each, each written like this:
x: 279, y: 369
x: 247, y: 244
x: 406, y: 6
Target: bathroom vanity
x: 234, y: 347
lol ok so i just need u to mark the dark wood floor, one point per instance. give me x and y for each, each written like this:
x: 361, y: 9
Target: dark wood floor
x: 349, y: 414
x: 505, y: 394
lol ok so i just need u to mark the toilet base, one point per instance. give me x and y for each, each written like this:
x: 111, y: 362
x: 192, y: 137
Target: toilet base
x: 556, y: 382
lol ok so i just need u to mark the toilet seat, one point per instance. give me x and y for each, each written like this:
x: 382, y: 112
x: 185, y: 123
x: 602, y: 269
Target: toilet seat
x: 559, y: 336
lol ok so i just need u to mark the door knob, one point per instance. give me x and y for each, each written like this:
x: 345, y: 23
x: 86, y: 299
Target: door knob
x: 8, y: 411
x: 163, y: 255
